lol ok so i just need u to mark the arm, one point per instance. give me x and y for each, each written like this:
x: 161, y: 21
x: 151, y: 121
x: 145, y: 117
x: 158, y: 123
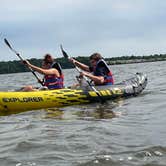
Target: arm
x: 96, y: 79
x: 79, y: 64
x: 43, y: 71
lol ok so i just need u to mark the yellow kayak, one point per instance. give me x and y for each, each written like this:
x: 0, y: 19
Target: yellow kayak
x: 24, y: 101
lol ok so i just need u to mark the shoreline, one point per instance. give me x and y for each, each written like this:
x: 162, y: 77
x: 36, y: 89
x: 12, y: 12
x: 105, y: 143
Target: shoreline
x: 18, y: 67
x: 131, y: 61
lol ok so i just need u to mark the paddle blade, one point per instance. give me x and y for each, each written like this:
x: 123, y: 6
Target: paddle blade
x: 64, y: 53
x: 7, y: 43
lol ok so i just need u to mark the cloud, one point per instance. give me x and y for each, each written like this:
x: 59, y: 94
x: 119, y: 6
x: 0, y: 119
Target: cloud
x: 118, y: 27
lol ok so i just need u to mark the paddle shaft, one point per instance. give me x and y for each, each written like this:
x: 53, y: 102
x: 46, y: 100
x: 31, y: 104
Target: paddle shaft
x: 86, y: 79
x: 92, y: 87
x: 11, y: 48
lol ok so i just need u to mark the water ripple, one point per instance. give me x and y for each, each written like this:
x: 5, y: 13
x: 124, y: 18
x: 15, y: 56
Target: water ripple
x: 128, y: 132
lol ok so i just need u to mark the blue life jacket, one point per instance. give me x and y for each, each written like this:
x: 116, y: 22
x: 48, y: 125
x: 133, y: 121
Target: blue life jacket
x: 102, y: 69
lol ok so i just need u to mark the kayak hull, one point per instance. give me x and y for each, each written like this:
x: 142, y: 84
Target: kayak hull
x: 24, y: 101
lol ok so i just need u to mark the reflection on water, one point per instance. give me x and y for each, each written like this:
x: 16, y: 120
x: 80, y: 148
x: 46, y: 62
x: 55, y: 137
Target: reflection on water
x: 54, y: 113
x: 86, y: 112
x: 100, y: 111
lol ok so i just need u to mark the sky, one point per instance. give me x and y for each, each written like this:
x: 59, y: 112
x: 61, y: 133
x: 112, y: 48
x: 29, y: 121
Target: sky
x: 110, y: 27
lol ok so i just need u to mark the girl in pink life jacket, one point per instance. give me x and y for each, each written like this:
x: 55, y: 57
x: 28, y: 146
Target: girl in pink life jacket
x: 53, y: 76
x: 98, y: 71
x: 53, y: 81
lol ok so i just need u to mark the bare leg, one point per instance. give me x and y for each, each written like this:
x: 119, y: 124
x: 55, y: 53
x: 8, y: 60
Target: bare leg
x: 28, y: 88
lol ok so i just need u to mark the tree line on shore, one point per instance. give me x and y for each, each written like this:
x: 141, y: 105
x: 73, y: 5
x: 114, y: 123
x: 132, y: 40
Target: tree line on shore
x: 17, y: 66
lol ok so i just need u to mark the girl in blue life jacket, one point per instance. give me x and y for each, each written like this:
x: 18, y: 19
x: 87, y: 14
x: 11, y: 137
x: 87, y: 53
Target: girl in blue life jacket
x: 53, y: 76
x: 98, y: 71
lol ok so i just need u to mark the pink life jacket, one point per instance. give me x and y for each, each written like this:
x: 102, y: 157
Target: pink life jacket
x: 52, y: 81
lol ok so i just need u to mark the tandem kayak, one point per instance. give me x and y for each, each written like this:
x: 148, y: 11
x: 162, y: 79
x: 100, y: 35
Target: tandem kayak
x: 24, y: 101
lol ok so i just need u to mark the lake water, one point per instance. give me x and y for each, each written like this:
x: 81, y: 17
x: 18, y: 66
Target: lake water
x: 81, y: 135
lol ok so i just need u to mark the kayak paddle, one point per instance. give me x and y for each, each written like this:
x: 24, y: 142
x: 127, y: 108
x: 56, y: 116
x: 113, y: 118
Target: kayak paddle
x: 7, y: 43
x: 86, y: 79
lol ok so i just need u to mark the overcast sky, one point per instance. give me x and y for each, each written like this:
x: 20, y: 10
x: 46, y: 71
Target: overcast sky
x: 111, y: 27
